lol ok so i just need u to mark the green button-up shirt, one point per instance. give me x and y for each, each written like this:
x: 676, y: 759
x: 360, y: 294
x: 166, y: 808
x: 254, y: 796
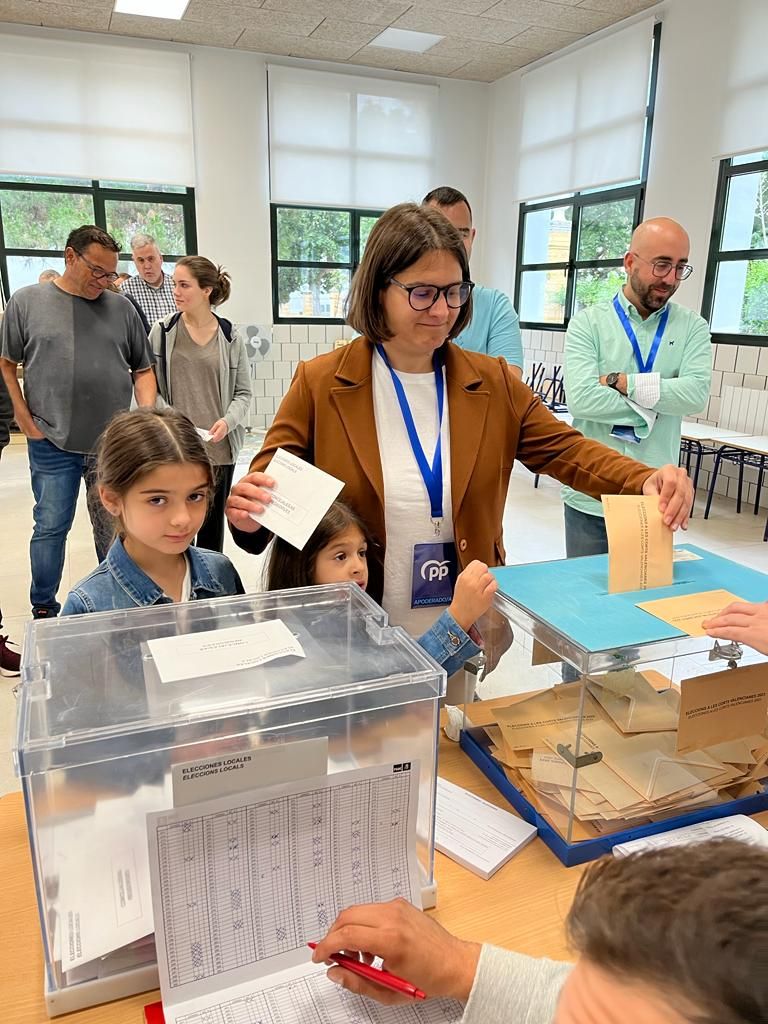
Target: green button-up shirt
x: 596, y: 344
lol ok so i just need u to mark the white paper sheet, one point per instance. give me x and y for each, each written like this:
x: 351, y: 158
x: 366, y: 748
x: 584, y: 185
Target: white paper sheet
x: 237, y: 771
x: 736, y: 826
x: 206, y: 435
x: 475, y: 833
x: 196, y: 655
x: 104, y: 900
x: 302, y: 496
x: 241, y: 884
x: 305, y: 994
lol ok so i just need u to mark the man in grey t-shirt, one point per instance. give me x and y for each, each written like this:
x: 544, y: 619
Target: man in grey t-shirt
x: 84, y: 351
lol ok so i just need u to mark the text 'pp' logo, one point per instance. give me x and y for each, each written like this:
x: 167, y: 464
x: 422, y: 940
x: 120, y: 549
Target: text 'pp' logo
x: 433, y: 570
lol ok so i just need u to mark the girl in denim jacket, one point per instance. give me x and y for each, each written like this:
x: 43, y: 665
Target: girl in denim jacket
x: 156, y: 479
x: 337, y: 552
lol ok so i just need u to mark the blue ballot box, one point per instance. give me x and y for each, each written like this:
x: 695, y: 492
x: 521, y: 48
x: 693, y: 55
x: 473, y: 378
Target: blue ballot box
x: 603, y: 723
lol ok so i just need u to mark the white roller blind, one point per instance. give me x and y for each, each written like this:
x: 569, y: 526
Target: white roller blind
x: 92, y: 111
x: 744, y: 122
x: 345, y: 140
x: 583, y: 116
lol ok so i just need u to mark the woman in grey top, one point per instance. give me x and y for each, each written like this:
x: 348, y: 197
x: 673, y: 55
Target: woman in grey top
x: 202, y: 370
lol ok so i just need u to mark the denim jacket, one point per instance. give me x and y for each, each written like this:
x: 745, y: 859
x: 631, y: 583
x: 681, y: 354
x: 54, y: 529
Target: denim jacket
x: 119, y: 583
x: 449, y: 645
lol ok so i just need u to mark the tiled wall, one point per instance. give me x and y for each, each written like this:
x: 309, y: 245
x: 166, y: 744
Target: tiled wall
x: 275, y: 364
x: 737, y: 365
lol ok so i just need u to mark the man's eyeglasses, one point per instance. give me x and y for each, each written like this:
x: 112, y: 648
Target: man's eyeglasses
x: 97, y: 272
x: 424, y: 296
x: 662, y: 267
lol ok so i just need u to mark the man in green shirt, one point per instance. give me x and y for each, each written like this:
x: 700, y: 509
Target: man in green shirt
x: 634, y: 367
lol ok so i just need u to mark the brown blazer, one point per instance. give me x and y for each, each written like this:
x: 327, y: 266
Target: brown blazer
x: 327, y: 418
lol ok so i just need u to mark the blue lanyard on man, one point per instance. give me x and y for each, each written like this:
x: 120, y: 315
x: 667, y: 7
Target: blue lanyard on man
x: 647, y: 365
x: 431, y: 475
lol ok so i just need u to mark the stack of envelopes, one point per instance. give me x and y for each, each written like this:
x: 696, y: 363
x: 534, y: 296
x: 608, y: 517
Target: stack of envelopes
x: 629, y: 724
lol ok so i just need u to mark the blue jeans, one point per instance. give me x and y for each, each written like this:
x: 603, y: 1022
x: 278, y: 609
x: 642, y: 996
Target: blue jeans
x: 584, y: 534
x: 56, y: 476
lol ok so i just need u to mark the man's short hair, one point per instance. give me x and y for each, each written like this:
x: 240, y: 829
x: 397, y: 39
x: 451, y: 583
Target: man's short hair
x: 689, y: 921
x: 89, y: 234
x: 49, y: 274
x: 445, y: 195
x: 142, y: 239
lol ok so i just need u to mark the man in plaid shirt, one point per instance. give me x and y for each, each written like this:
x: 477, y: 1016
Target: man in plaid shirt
x: 152, y: 288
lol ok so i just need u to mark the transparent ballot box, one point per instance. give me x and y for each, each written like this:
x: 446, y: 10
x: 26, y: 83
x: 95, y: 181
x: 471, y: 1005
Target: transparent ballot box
x: 127, y: 712
x: 602, y: 723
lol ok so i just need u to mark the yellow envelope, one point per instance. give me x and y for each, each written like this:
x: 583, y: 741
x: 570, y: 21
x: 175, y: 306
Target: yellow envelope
x: 688, y: 611
x: 727, y: 705
x: 639, y: 544
x: 634, y: 704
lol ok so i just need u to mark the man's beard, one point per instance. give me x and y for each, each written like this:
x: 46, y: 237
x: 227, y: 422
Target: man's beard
x: 651, y: 296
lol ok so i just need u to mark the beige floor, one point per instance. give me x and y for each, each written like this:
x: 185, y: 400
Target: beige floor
x: 533, y: 531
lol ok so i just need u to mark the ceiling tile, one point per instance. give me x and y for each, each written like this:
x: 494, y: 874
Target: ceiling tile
x: 402, y: 60
x: 478, y: 71
x: 457, y: 6
x: 284, y: 22
x: 377, y: 12
x: 176, y: 31
x: 622, y: 8
x: 552, y: 15
x: 54, y: 15
x: 101, y: 5
x: 475, y: 50
x: 346, y: 31
x: 446, y: 23
x: 295, y: 46
x: 544, y: 40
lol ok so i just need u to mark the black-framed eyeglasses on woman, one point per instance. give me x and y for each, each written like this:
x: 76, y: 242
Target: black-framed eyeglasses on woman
x: 662, y: 267
x: 97, y: 272
x: 424, y: 296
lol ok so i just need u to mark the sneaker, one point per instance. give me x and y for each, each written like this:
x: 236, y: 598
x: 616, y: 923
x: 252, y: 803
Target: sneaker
x: 10, y: 661
x: 43, y: 613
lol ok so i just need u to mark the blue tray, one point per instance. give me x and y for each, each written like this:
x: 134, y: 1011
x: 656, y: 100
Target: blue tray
x: 590, y: 849
x: 571, y: 594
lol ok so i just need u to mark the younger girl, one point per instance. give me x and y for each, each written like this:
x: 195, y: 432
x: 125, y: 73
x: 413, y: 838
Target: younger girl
x: 156, y: 480
x: 337, y: 552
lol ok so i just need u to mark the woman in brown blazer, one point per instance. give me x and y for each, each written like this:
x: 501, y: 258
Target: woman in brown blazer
x: 410, y: 296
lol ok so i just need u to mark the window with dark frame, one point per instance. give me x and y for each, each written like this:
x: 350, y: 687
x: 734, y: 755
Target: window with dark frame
x: 570, y: 253
x: 315, y: 252
x: 37, y: 214
x: 735, y: 300
x: 570, y: 248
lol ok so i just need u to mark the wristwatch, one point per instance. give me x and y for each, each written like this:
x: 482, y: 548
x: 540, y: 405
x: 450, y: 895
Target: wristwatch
x: 612, y: 380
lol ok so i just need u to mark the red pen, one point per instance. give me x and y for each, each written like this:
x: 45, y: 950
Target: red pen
x: 375, y: 974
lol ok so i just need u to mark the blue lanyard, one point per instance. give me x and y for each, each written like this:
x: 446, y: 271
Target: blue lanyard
x: 431, y: 475
x: 647, y: 366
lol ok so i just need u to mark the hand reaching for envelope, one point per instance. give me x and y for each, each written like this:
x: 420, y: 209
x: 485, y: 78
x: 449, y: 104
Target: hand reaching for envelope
x: 743, y: 622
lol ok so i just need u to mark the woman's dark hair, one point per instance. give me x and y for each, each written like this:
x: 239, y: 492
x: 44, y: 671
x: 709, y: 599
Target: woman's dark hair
x: 399, y: 238
x: 288, y: 567
x: 135, y: 443
x: 208, y: 275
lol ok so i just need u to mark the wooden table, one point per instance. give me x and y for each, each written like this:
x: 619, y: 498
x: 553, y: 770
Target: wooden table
x: 522, y: 907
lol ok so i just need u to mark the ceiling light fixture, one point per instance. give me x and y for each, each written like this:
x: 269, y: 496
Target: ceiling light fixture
x: 405, y: 39
x: 173, y: 9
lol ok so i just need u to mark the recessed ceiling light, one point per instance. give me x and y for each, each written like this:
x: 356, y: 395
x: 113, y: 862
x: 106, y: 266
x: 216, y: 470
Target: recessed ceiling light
x: 405, y: 39
x: 152, y: 8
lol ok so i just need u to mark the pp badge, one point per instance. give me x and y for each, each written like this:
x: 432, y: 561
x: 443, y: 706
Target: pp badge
x: 434, y: 574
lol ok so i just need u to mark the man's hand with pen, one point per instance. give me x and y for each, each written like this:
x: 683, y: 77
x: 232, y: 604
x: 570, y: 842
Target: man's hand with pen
x: 411, y: 945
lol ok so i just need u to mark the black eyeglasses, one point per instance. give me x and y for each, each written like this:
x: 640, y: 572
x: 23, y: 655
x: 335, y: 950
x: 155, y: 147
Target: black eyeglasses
x: 424, y: 296
x: 662, y: 267
x: 97, y: 272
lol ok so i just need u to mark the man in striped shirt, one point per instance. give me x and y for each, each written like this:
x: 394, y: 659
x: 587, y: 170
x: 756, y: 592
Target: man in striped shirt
x: 152, y: 288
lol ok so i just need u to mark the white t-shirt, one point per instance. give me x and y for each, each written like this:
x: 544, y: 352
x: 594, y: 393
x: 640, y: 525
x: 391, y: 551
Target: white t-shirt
x: 407, y: 517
